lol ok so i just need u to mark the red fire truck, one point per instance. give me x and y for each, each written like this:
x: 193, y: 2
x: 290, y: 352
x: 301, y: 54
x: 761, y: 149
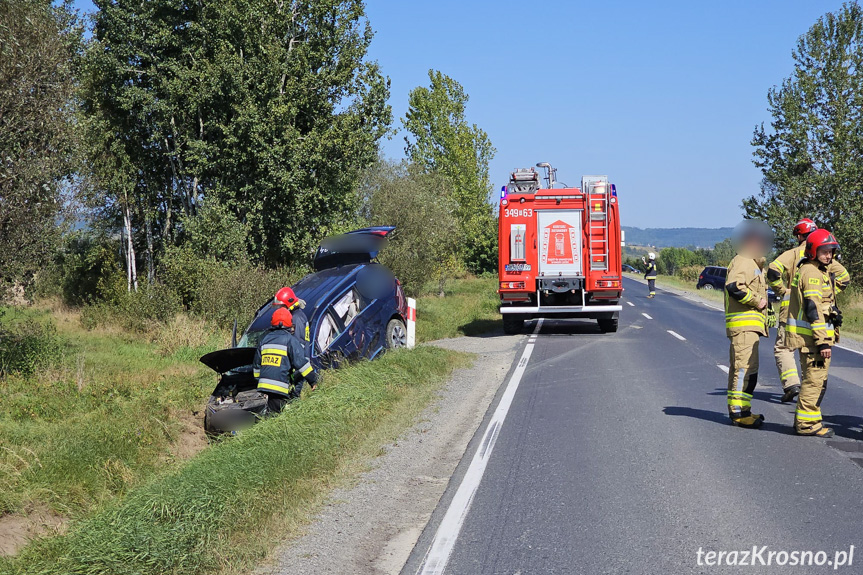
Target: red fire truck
x: 559, y: 250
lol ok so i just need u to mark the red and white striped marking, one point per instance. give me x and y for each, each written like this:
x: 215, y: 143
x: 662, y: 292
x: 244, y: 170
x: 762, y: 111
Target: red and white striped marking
x: 412, y: 323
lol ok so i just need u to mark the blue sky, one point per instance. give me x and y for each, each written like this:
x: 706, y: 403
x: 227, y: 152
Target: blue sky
x: 661, y: 96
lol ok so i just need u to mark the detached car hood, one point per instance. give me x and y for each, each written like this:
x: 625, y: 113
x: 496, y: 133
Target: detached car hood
x: 225, y: 360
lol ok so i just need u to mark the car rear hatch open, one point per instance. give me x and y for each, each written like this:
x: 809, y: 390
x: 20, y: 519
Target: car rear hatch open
x: 356, y: 247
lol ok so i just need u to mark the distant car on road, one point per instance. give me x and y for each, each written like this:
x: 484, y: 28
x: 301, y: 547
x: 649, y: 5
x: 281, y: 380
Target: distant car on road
x: 356, y: 310
x: 629, y: 269
x: 713, y: 277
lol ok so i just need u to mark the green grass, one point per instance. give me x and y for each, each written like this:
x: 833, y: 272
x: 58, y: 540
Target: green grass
x: 225, y: 509
x: 99, y: 416
x: 677, y: 283
x: 469, y: 307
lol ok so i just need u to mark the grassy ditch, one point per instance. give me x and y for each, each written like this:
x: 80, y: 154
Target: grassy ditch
x: 225, y: 508
x: 99, y: 412
x: 469, y: 307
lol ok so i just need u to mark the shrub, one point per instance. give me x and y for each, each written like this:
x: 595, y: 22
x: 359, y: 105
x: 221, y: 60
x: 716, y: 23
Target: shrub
x: 427, y: 240
x: 689, y: 273
x: 25, y: 344
x: 138, y: 311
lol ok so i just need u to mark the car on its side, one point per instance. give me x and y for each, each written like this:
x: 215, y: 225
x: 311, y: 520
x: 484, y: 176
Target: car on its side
x: 629, y: 269
x: 713, y: 277
x: 356, y: 310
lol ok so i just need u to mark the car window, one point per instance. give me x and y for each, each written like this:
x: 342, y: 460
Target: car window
x: 723, y: 272
x: 348, y: 306
x: 251, y: 338
x: 328, y: 331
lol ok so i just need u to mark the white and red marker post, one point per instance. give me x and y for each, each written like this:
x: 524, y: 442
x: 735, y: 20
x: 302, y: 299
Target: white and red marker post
x: 412, y: 323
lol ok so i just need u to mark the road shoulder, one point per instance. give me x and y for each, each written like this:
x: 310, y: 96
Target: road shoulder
x: 372, y: 526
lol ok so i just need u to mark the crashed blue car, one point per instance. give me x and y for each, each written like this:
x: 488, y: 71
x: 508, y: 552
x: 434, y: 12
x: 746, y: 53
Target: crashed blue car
x: 356, y: 309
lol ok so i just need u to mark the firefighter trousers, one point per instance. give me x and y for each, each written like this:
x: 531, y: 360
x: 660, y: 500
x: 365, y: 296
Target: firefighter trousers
x: 742, y: 373
x: 785, y: 360
x: 807, y: 419
x: 651, y: 286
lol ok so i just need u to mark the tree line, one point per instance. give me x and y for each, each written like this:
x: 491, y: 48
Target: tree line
x: 162, y: 137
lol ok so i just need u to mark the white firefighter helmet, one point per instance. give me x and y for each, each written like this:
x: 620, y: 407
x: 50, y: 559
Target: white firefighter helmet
x: 651, y: 256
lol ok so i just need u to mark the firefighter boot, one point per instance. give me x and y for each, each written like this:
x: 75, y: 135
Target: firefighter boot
x: 790, y: 394
x: 751, y: 421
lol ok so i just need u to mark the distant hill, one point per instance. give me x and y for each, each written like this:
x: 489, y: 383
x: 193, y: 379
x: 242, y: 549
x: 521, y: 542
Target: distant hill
x: 676, y: 237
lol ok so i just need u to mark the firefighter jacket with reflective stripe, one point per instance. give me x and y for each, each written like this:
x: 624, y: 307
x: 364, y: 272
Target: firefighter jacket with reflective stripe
x: 745, y: 287
x: 810, y: 310
x: 280, y: 362
x: 782, y: 270
x: 650, y: 274
x: 301, y: 324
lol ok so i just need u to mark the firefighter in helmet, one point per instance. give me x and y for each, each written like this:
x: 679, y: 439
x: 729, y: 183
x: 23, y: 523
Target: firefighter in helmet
x: 650, y: 274
x: 281, y: 365
x: 813, y: 328
x: 779, y: 276
x: 745, y: 317
x: 295, y: 305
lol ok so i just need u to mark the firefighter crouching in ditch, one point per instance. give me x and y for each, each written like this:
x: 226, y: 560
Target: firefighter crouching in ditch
x: 650, y: 274
x: 813, y: 322
x: 779, y: 276
x: 745, y: 317
x: 280, y: 364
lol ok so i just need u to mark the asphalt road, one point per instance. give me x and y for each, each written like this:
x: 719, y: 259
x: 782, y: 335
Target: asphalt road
x: 615, y: 455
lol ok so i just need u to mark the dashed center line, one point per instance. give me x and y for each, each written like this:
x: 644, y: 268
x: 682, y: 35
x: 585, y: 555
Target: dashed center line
x: 723, y: 368
x: 645, y: 315
x: 630, y: 304
x: 677, y: 335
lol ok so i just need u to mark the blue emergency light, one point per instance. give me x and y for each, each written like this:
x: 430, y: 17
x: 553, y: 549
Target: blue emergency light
x: 503, y: 192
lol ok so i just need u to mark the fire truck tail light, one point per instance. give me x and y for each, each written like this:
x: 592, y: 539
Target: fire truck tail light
x: 511, y: 285
x: 608, y: 284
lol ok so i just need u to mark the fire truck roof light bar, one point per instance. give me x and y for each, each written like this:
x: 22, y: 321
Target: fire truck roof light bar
x: 561, y: 309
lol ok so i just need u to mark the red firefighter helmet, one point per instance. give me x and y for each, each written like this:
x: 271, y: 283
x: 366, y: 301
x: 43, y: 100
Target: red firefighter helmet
x: 287, y: 297
x: 804, y: 227
x: 819, y: 239
x: 282, y: 318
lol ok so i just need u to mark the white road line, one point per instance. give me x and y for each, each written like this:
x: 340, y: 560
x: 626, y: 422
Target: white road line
x: 645, y: 315
x: 849, y: 349
x: 723, y: 368
x: 677, y: 335
x: 712, y: 306
x: 447, y: 532
x: 630, y: 304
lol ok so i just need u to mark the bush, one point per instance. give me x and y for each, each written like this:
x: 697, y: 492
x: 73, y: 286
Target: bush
x: 689, y: 273
x: 25, y: 344
x: 427, y: 240
x: 140, y: 311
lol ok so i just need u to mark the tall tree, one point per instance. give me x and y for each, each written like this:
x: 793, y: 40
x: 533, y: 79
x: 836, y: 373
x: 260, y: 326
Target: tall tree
x: 39, y: 44
x: 270, y: 109
x: 441, y: 140
x: 811, y: 154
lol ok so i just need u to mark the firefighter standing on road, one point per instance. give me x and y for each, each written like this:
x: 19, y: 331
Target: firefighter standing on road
x: 813, y: 322
x: 281, y: 365
x: 745, y: 320
x: 650, y: 274
x: 779, y: 276
x: 295, y: 305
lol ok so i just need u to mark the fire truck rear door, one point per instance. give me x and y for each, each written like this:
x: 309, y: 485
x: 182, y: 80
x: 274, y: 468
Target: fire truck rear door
x: 560, y: 243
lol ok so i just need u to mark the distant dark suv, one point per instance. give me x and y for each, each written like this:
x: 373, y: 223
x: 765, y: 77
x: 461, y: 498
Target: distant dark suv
x: 712, y: 277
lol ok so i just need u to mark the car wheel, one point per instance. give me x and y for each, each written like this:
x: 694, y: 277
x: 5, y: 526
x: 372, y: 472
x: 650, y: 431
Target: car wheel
x: 707, y: 286
x: 397, y: 334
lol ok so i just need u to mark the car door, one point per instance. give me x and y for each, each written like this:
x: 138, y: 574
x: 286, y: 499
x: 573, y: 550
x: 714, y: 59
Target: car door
x: 340, y: 332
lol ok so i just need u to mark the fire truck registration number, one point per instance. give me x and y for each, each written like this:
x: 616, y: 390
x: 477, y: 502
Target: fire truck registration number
x: 517, y: 267
x: 525, y: 213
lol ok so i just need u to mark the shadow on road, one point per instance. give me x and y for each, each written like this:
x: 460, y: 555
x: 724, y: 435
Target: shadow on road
x: 848, y: 426
x: 722, y: 417
x: 482, y: 328
x: 570, y: 327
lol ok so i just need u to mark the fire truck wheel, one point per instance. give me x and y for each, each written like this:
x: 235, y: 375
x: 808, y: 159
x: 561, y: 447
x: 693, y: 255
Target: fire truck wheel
x: 608, y: 325
x: 512, y: 324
